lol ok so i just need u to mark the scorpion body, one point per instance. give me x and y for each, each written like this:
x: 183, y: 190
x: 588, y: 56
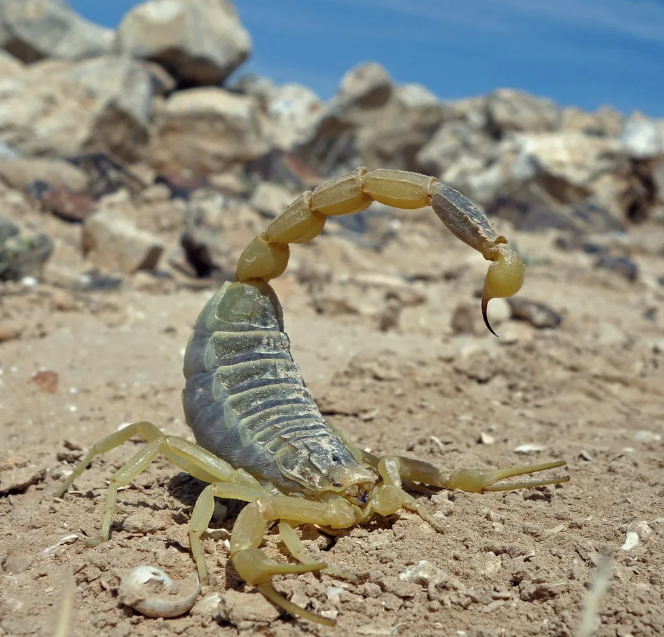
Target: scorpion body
x: 245, y: 399
x: 260, y: 437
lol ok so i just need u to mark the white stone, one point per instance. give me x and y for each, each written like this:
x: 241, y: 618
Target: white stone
x: 207, y: 130
x: 199, y: 42
x: 37, y: 29
x: 113, y: 242
x: 642, y: 137
x: 631, y: 540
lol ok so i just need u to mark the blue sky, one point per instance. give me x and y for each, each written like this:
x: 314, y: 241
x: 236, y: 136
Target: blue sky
x: 577, y: 52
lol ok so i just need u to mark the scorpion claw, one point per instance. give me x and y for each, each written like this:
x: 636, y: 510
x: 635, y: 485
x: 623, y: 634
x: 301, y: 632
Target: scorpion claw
x: 481, y: 480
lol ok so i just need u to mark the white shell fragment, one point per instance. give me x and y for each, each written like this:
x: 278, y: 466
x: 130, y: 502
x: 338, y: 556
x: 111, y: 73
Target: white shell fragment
x: 154, y: 594
x: 631, y: 540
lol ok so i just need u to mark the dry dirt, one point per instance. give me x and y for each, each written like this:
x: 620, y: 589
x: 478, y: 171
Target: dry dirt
x: 513, y: 563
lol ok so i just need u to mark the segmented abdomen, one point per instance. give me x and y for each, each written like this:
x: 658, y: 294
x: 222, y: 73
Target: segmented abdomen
x: 245, y: 399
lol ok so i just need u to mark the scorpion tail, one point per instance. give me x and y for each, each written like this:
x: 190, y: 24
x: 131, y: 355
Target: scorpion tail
x: 266, y: 257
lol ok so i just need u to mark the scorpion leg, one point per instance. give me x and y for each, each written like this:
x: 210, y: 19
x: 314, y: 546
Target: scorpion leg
x: 149, y: 433
x: 187, y: 456
x: 249, y: 561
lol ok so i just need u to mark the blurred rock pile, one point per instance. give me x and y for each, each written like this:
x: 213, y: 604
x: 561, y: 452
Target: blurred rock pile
x: 132, y: 149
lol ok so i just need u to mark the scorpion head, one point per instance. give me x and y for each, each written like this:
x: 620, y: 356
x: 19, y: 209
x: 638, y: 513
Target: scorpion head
x: 326, y: 465
x: 341, y: 473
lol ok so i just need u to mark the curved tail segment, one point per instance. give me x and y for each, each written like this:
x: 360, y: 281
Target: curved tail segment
x: 266, y: 257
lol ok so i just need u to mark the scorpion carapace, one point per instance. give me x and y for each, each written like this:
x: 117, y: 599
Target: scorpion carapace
x: 260, y: 436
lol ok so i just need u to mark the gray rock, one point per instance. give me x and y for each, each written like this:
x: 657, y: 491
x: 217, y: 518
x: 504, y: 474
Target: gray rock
x: 207, y: 130
x: 611, y: 120
x: 571, y: 157
x: 658, y: 178
x: 113, y: 242
x: 245, y: 610
x: 577, y: 119
x: 623, y: 266
x: 23, y: 256
x: 7, y: 152
x: 62, y: 109
x: 293, y: 112
x: 359, y: 107
x: 32, y: 30
x: 199, y: 42
x: 536, y: 313
x: 271, y: 199
x: 530, y: 207
x: 642, y: 137
x: 415, y: 96
x: 120, y: 82
x: 7, y: 230
x: 258, y: 86
x: 509, y: 110
x: 364, y: 87
x: 57, y: 173
x: 394, y: 136
x: 568, y: 165
x: 9, y: 65
x: 451, y: 143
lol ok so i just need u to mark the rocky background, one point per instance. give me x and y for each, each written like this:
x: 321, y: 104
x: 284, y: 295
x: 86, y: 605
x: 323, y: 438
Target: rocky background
x: 133, y: 172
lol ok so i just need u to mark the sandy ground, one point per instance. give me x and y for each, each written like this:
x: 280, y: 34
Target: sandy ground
x: 518, y: 563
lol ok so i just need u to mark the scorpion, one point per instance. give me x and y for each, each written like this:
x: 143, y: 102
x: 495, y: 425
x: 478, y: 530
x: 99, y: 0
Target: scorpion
x: 260, y: 438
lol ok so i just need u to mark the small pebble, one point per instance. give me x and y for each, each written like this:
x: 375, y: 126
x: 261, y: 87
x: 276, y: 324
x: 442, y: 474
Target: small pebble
x: 538, y: 314
x: 245, y: 609
x: 647, y: 436
x: 333, y: 592
x: 631, y: 540
x: 8, y: 333
x: 206, y: 606
x: 63, y: 301
x: 529, y: 448
x: 623, y: 266
x: 47, y: 381
x: 486, y: 439
x: 643, y: 530
x: 423, y: 572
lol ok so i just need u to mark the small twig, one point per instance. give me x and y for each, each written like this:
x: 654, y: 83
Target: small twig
x: 590, y: 607
x: 63, y: 627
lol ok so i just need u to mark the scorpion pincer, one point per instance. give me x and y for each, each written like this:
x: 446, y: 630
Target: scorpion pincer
x: 260, y: 437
